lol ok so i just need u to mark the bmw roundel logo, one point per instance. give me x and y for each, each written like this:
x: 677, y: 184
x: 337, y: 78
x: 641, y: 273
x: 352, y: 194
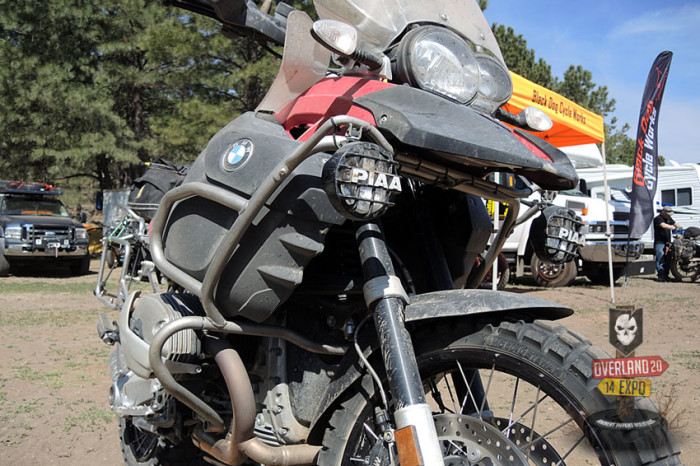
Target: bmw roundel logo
x: 237, y: 154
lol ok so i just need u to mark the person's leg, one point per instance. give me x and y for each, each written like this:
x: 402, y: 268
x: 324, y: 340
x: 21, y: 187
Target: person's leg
x: 661, y: 269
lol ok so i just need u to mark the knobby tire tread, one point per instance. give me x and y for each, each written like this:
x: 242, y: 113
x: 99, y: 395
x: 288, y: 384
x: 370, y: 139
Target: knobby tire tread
x: 547, y: 342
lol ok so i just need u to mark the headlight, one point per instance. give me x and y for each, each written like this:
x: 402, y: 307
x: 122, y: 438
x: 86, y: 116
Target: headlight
x: 437, y: 60
x: 495, y: 85
x: 13, y: 232
x: 81, y: 233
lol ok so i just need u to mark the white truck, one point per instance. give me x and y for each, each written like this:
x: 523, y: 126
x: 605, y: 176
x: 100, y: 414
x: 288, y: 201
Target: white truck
x: 677, y: 186
x: 593, y: 253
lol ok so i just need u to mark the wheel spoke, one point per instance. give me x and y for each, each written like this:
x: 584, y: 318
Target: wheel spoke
x: 369, y: 430
x: 469, y: 391
x: 561, y: 461
x: 486, y: 393
x: 543, y: 437
x: 525, y: 413
x: 512, y: 407
x: 534, y: 417
x: 449, y: 390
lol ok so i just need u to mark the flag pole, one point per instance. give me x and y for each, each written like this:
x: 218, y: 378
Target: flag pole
x: 607, y: 225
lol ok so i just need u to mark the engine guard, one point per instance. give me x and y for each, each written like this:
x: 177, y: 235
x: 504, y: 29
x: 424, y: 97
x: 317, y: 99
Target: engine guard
x: 444, y: 304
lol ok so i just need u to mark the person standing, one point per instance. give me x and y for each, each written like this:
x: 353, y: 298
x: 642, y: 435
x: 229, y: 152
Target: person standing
x: 663, y: 226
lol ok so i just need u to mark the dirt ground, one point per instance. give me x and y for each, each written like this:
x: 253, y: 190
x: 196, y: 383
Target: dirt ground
x: 54, y: 378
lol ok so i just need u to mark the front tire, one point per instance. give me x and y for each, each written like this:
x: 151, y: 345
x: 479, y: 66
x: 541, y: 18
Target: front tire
x: 552, y: 275
x: 4, y: 265
x: 684, y: 272
x: 80, y: 266
x: 526, y: 368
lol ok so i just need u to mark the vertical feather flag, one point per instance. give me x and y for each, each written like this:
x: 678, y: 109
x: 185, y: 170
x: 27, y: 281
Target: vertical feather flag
x: 646, y: 154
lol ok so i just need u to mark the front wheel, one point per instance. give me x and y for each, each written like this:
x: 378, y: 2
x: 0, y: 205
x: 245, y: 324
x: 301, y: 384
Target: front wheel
x: 685, y: 272
x: 537, y: 404
x: 552, y: 275
x: 4, y: 265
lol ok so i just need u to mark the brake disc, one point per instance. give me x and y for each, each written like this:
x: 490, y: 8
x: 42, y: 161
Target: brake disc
x: 468, y: 441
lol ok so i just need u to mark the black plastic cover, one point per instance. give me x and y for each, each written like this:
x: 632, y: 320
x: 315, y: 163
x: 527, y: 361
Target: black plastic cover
x: 460, y: 136
x: 290, y: 230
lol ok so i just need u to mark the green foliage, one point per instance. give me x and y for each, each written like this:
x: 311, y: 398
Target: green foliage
x: 520, y: 59
x: 579, y: 87
x: 94, y: 89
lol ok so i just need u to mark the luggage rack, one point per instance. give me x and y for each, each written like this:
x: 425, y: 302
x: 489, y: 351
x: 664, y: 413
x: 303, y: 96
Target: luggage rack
x: 21, y: 187
x: 129, y: 237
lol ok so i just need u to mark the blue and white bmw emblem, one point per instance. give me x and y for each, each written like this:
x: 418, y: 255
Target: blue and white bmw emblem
x: 237, y: 155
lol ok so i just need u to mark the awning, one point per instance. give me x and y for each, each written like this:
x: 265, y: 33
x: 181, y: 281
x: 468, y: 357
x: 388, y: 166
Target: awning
x: 573, y: 124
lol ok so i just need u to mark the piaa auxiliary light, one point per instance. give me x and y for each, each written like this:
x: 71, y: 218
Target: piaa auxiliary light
x: 556, y: 234
x: 360, y: 180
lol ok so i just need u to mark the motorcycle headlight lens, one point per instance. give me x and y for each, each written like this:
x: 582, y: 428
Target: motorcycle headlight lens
x: 495, y: 85
x: 439, y: 61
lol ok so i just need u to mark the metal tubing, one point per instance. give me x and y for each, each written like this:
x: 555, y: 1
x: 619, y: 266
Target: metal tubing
x: 497, y: 245
x: 240, y: 442
x: 255, y: 204
x: 248, y: 210
x: 202, y: 323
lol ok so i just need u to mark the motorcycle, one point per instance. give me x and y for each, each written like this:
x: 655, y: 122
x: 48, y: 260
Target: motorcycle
x: 684, y: 255
x: 323, y: 308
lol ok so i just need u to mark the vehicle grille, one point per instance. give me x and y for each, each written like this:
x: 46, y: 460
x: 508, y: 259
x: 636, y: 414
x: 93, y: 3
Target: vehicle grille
x: 34, y: 232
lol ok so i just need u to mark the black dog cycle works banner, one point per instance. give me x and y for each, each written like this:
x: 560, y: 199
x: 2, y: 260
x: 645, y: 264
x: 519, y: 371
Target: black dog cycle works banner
x: 644, y: 179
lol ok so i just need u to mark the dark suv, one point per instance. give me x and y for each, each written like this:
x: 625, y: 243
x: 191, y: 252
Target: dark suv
x: 36, y: 226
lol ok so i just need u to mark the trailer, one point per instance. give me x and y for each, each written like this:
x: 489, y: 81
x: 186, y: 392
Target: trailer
x: 678, y: 186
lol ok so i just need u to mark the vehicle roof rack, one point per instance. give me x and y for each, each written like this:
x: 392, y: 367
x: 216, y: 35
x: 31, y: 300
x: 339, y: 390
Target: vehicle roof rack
x: 26, y: 188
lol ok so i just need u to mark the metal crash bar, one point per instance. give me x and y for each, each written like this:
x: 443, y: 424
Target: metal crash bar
x: 247, y: 211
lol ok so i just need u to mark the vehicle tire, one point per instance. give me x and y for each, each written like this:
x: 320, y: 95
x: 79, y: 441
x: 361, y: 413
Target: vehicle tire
x: 684, y: 272
x: 552, y: 275
x: 141, y: 448
x: 81, y: 266
x: 4, y: 265
x: 601, y: 276
x: 538, y: 367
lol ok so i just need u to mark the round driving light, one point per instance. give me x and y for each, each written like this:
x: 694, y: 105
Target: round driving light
x: 556, y: 234
x: 360, y: 180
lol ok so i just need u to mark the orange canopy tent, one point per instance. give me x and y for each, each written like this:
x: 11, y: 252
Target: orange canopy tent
x: 573, y: 124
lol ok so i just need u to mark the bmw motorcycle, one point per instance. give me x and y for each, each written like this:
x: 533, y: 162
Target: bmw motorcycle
x: 321, y: 253
x: 684, y: 255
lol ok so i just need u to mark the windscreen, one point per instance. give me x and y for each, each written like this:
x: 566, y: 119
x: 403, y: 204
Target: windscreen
x: 31, y: 206
x: 380, y: 22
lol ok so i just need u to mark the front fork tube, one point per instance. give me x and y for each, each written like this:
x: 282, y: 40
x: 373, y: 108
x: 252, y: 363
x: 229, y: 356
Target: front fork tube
x: 386, y: 298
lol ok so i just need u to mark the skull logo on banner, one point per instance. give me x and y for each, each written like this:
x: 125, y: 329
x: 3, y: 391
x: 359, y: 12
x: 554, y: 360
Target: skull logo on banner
x: 625, y: 329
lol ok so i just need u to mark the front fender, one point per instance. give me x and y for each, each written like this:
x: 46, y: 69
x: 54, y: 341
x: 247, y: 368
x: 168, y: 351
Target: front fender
x: 467, y: 304
x: 454, y: 303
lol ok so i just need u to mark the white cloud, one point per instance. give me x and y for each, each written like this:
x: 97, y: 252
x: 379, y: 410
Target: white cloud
x: 667, y: 20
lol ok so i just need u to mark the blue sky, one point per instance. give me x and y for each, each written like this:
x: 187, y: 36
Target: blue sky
x: 618, y: 41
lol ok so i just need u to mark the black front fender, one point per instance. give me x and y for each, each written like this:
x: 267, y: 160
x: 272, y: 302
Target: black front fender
x: 496, y: 306
x: 454, y: 303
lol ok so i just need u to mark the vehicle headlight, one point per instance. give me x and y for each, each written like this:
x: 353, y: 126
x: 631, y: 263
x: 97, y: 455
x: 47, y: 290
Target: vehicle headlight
x: 81, y: 233
x: 495, y: 85
x: 438, y: 60
x: 13, y: 232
